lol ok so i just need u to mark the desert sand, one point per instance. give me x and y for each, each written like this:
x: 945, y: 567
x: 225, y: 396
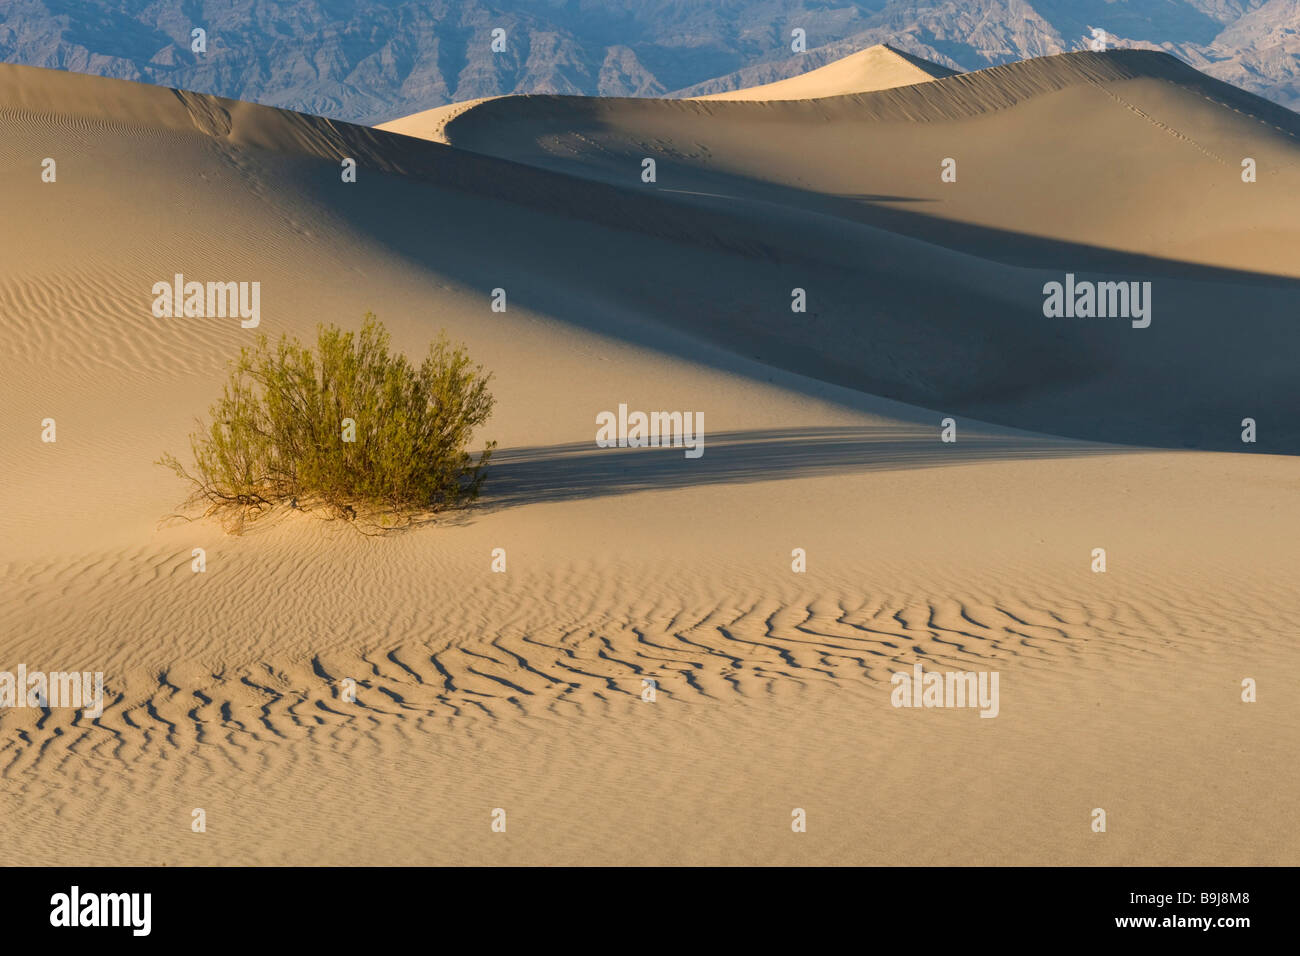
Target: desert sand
x: 523, y: 690
x: 878, y: 67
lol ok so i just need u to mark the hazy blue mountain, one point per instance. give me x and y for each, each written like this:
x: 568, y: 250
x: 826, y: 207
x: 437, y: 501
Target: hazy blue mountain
x: 367, y: 60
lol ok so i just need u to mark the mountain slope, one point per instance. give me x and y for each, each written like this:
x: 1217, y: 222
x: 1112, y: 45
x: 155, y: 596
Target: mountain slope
x: 369, y: 61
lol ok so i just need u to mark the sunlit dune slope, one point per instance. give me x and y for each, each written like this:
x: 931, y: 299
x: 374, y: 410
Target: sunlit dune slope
x: 879, y: 67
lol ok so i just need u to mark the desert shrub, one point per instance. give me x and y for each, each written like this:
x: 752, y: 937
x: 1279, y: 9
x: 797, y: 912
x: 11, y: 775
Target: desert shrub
x: 277, y: 434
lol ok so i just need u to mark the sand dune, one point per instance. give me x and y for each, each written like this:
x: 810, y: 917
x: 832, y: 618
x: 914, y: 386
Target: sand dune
x: 431, y: 124
x: 523, y: 690
x: 879, y: 67
x: 1052, y: 148
x: 1112, y: 141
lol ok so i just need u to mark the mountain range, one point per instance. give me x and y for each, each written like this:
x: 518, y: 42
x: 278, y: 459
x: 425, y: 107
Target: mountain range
x: 367, y: 61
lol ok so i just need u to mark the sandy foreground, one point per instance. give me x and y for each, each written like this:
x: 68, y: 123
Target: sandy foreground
x: 523, y: 690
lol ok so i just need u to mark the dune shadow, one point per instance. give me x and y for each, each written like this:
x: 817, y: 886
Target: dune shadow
x: 891, y: 311
x: 871, y: 197
x: 581, y: 470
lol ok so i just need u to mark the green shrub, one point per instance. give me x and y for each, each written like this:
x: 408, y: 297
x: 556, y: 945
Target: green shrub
x: 277, y: 433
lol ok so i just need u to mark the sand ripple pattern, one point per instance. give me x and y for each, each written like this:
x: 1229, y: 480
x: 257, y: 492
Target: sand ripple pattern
x: 550, y: 649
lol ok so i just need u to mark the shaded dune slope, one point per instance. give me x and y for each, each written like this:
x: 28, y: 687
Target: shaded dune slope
x: 1075, y: 163
x: 1071, y: 148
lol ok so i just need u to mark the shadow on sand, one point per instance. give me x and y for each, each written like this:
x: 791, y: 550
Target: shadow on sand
x: 581, y: 470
